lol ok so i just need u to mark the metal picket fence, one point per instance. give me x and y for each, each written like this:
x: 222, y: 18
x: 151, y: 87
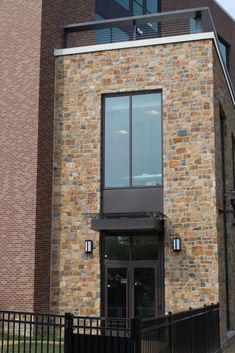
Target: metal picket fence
x: 192, y: 331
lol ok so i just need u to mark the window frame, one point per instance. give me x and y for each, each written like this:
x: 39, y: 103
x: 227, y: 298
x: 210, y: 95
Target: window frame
x: 130, y: 186
x: 144, y: 7
x: 227, y: 47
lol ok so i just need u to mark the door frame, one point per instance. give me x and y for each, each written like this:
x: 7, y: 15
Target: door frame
x: 130, y: 289
x: 161, y: 270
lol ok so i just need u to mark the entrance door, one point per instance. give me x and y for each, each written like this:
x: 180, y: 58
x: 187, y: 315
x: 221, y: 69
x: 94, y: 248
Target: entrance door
x: 131, y: 290
x: 132, y: 275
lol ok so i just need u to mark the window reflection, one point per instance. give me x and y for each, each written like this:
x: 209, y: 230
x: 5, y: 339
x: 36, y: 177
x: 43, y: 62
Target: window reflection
x: 133, y: 156
x: 145, y: 247
x: 117, y: 141
x: 152, y: 6
x: 146, y: 140
x: 117, y: 247
x: 140, y: 7
x: 124, y: 3
x: 136, y: 247
x: 224, y: 51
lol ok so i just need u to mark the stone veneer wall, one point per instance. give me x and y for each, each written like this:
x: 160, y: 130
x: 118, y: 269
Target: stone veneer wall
x: 184, y: 72
x: 223, y: 104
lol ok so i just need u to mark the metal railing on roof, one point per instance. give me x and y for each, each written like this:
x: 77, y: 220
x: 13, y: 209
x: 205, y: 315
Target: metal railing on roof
x: 135, y: 28
x: 158, y: 25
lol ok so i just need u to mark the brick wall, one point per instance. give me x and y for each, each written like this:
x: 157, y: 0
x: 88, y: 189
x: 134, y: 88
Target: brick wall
x: 55, y: 14
x: 31, y: 31
x: 20, y: 68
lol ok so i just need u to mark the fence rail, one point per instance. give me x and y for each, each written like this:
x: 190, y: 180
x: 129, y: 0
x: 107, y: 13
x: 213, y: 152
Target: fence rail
x: 192, y: 331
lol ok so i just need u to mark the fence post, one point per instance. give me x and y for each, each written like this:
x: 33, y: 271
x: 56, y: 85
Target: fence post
x: 207, y: 331
x: 68, y: 334
x: 191, y: 329
x: 171, y: 327
x: 218, y: 324
x: 136, y: 335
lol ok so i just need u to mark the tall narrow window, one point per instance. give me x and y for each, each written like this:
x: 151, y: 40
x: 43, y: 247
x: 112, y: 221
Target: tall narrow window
x: 224, y: 50
x: 132, y: 140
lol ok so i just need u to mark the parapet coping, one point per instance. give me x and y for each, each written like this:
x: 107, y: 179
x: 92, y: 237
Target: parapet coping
x: 151, y: 42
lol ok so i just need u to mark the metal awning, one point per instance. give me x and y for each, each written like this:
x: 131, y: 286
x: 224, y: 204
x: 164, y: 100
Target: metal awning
x: 129, y: 222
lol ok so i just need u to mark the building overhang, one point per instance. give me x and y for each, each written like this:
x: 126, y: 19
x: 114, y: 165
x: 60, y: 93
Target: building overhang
x: 129, y: 222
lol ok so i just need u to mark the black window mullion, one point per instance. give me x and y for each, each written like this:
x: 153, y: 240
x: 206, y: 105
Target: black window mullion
x: 131, y: 6
x: 233, y: 159
x: 130, y: 141
x: 145, y: 7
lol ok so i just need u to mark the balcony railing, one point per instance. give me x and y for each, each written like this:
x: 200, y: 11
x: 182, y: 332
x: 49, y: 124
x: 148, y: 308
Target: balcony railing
x: 159, y: 25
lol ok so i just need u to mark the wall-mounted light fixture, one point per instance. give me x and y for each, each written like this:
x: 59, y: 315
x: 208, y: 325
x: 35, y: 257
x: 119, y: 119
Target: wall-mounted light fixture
x: 88, y: 246
x: 176, y: 244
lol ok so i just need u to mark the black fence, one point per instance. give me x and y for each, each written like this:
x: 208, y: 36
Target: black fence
x: 193, y: 331
x: 29, y: 332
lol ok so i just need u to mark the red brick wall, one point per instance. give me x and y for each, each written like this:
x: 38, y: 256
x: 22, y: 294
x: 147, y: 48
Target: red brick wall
x: 225, y: 26
x: 20, y: 63
x: 27, y: 100
x: 55, y: 14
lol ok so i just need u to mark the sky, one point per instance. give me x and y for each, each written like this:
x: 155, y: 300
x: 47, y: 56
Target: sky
x: 228, y: 5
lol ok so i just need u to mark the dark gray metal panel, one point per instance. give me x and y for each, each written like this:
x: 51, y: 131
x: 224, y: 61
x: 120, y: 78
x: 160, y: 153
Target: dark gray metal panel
x: 127, y: 224
x: 132, y: 200
x: 164, y: 16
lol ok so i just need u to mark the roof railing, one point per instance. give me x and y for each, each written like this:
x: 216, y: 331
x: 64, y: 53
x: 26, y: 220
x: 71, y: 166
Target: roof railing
x: 163, y: 24
x: 135, y: 28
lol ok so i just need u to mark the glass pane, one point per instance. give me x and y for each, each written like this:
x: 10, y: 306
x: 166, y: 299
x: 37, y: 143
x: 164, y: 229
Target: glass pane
x: 144, y: 288
x: 146, y: 140
x: 152, y: 6
x: 224, y: 52
x: 123, y: 3
x: 118, y: 35
x: 117, y: 141
x: 137, y: 9
x: 117, y: 292
x: 145, y: 247
x: 102, y: 35
x: 117, y: 248
x: 193, y: 25
x: 99, y: 17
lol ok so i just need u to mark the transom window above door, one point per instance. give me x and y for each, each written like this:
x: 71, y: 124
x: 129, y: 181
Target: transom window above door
x: 134, y: 247
x: 132, y: 145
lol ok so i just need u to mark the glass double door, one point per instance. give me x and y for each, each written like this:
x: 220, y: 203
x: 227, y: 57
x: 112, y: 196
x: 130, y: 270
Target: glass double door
x: 131, y: 289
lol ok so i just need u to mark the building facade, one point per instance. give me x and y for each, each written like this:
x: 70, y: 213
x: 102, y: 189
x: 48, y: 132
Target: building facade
x: 127, y: 145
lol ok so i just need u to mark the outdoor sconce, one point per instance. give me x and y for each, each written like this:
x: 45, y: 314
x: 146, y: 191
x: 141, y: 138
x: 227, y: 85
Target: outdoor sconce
x: 176, y: 244
x: 88, y: 246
